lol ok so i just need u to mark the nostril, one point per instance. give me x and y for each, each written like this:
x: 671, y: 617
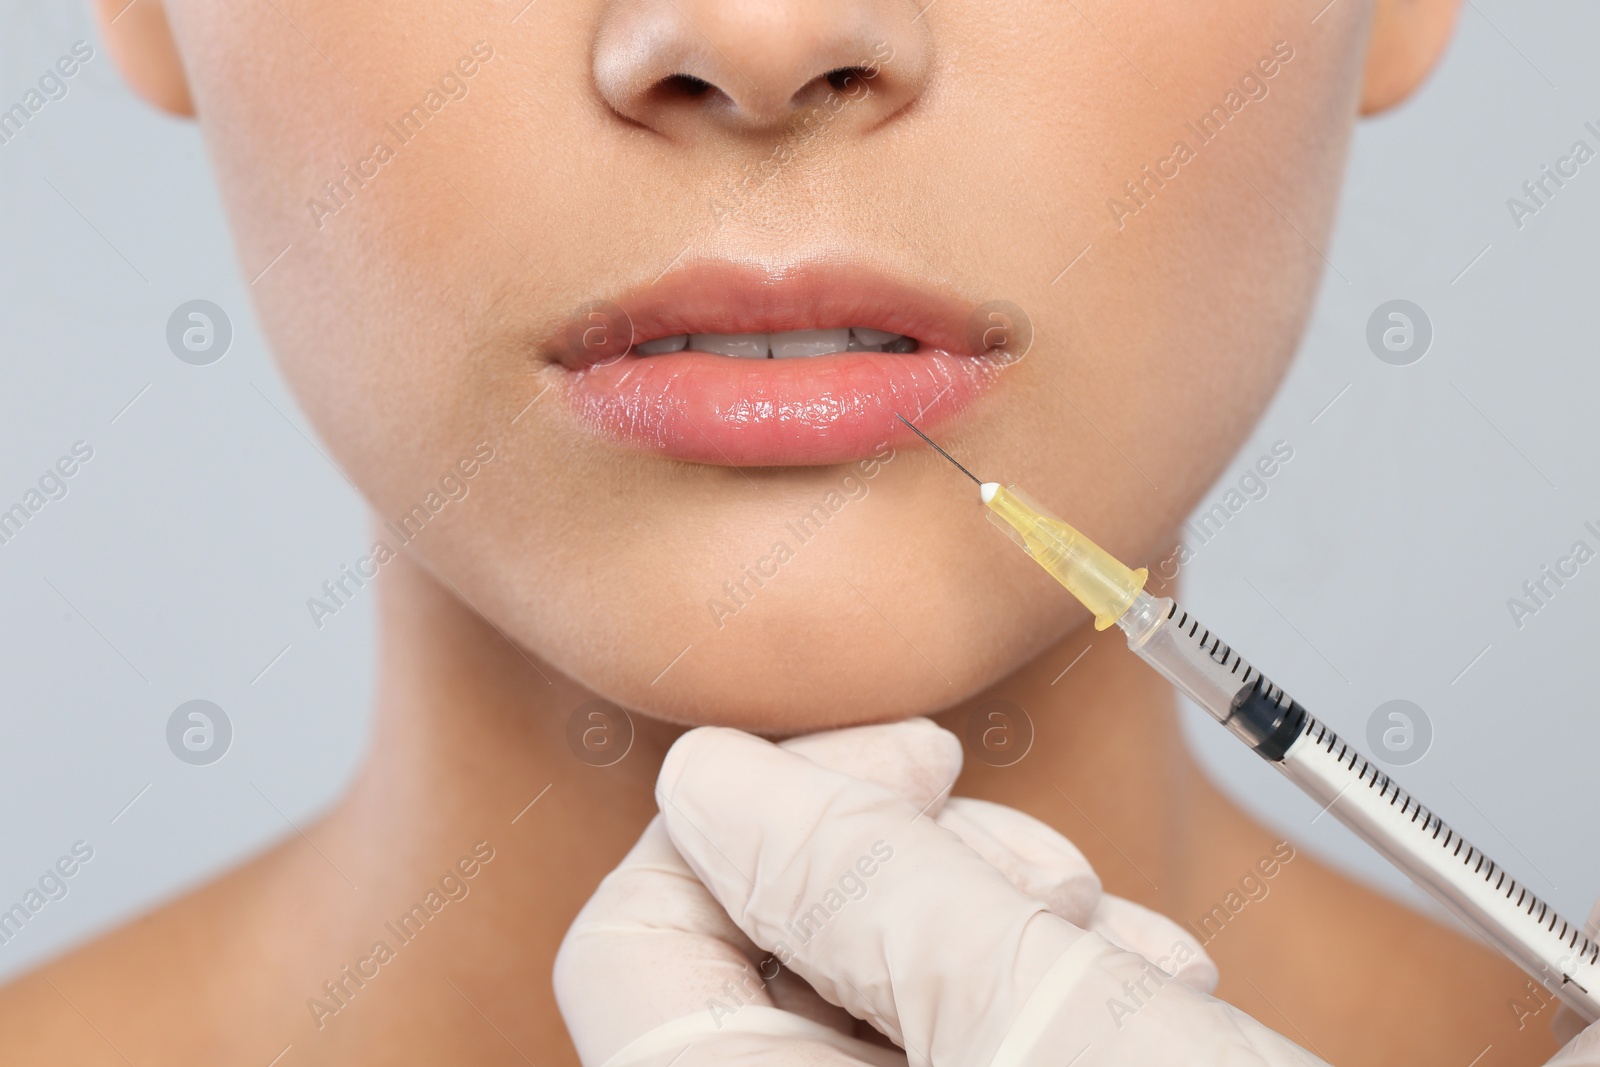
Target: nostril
x: 683, y: 85
x: 684, y: 68
x: 844, y: 79
x: 675, y: 91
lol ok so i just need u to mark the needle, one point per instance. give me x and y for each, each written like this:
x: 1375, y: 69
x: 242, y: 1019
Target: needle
x: 937, y: 449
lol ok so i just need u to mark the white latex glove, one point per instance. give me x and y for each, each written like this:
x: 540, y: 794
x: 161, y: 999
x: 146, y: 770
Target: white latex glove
x: 945, y: 935
x: 1583, y: 1045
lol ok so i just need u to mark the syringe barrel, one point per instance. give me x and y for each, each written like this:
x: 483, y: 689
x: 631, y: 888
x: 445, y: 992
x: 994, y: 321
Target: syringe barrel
x: 1478, y: 891
x: 1351, y: 788
x: 1212, y: 675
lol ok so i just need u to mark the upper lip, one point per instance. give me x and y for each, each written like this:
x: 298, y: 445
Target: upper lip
x: 724, y: 297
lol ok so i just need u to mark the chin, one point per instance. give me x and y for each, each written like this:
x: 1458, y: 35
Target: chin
x: 822, y: 654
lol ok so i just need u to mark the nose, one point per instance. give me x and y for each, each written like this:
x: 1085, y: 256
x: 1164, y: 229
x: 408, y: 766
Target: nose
x: 683, y: 67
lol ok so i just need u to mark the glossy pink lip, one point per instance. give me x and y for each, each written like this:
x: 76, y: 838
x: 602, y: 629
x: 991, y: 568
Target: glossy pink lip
x: 772, y: 412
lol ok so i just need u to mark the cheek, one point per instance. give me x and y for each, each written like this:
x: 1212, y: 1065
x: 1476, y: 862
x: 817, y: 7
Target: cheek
x: 1179, y: 321
x: 380, y: 284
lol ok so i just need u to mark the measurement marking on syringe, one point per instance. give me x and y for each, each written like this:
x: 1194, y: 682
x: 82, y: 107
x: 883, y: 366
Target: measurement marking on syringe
x: 1494, y: 877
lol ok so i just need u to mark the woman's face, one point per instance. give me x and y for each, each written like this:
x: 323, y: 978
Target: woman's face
x: 470, y: 210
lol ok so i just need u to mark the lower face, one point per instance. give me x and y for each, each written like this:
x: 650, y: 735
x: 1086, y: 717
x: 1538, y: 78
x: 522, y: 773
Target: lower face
x: 687, y: 352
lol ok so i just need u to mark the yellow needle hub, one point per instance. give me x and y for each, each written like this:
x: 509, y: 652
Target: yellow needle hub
x: 1089, y: 572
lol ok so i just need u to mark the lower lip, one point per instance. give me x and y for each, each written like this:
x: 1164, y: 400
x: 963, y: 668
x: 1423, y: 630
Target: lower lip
x: 807, y: 411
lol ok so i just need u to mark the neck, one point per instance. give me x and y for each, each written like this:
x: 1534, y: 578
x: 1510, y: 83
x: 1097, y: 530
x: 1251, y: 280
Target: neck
x: 1109, y: 768
x: 471, y: 740
x: 471, y: 744
x: 468, y: 758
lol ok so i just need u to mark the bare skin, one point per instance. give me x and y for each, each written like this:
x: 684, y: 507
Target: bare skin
x: 464, y: 741
x: 407, y: 325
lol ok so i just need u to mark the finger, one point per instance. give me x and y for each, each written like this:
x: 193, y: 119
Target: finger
x: 649, y: 947
x: 652, y: 947
x: 660, y: 947
x: 1032, y: 855
x: 916, y: 758
x: 1566, y: 1025
x: 653, y: 969
x: 789, y: 992
x: 1582, y: 1048
x: 920, y: 761
x: 1157, y: 938
x: 880, y: 910
x: 757, y: 1037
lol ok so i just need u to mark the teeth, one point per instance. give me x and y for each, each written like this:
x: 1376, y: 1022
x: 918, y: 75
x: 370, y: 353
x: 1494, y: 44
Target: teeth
x: 873, y: 337
x: 676, y: 343
x: 810, y: 342
x: 744, y: 345
x: 787, y: 345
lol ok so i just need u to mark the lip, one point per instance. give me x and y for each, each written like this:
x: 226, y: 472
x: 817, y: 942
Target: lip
x: 806, y: 411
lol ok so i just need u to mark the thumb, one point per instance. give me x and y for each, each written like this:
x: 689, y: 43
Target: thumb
x: 920, y: 760
x: 914, y: 758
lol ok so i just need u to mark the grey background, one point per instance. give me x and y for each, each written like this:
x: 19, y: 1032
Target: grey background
x: 1377, y: 568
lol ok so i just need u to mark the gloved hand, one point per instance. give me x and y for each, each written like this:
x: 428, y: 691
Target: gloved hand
x: 940, y: 954
x: 968, y: 932
x: 1582, y: 1047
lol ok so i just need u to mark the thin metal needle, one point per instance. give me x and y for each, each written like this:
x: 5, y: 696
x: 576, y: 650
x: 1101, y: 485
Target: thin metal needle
x: 937, y: 449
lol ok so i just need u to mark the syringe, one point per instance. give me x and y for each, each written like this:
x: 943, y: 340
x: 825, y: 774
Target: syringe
x: 1345, y: 783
